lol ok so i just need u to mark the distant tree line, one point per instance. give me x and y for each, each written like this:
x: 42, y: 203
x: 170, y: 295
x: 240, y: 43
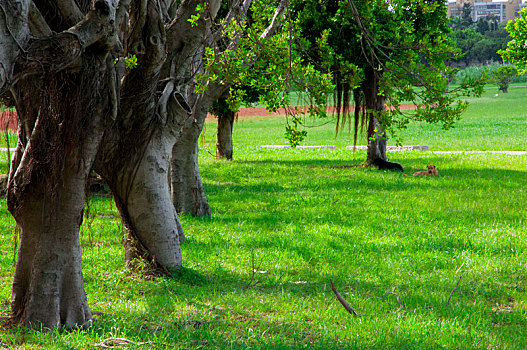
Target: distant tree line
x: 480, y: 41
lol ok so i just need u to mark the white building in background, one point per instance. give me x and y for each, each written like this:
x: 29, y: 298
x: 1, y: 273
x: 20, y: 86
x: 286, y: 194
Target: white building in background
x: 503, y: 10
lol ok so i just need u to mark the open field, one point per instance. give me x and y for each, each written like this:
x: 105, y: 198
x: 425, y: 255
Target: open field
x: 257, y: 273
x: 490, y: 123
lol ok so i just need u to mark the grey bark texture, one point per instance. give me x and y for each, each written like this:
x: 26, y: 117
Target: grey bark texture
x: 188, y: 193
x: 70, y: 95
x: 135, y: 159
x: 46, y: 194
x: 14, y: 33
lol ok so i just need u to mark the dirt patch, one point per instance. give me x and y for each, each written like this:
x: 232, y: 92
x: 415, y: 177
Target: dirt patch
x: 262, y: 112
x: 8, y: 118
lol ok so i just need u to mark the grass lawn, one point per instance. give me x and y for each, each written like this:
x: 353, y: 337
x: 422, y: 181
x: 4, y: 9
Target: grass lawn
x: 303, y: 217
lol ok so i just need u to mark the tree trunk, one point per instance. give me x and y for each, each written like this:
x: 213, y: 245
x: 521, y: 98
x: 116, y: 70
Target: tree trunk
x: 374, y: 104
x: 134, y: 159
x: 58, y: 139
x: 224, y: 146
x: 188, y: 194
x: 142, y: 195
x: 48, y: 288
x: 377, y: 141
x: 139, y: 182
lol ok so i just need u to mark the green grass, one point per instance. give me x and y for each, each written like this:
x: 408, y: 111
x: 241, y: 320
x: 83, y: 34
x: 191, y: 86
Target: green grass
x: 304, y: 217
x: 490, y: 123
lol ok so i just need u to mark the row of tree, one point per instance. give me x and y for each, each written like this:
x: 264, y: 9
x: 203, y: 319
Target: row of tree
x: 479, y: 40
x: 123, y: 88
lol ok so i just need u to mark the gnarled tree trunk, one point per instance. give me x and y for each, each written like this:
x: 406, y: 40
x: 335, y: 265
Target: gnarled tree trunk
x: 57, y: 145
x: 139, y: 183
x: 14, y: 32
x: 63, y: 95
x: 135, y: 157
x: 188, y: 193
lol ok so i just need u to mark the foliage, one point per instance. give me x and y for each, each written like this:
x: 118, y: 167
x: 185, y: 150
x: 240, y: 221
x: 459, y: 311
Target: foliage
x: 404, y: 42
x: 485, y: 125
x: 480, y: 43
x: 305, y: 216
x: 516, y: 51
x: 503, y: 77
x: 200, y: 9
x: 477, y: 72
x: 466, y: 15
x: 293, y: 134
x: 129, y: 62
x: 264, y: 70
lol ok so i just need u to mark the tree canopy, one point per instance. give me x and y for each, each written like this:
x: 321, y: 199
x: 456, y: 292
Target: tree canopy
x: 516, y: 51
x: 394, y: 51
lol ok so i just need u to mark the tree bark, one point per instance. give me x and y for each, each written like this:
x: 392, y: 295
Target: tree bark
x: 188, y: 193
x: 377, y: 141
x: 224, y: 145
x: 62, y: 116
x: 135, y: 157
x: 374, y: 104
x: 14, y: 32
x: 139, y: 183
x: 57, y: 145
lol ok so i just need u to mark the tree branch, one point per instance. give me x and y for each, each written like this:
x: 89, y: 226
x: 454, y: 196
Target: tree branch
x: 275, y: 23
x: 57, y: 52
x: 343, y: 301
x: 14, y: 32
x: 401, y: 304
x: 184, y: 38
x: 70, y: 12
x: 452, y: 292
x: 37, y: 23
x: 237, y: 11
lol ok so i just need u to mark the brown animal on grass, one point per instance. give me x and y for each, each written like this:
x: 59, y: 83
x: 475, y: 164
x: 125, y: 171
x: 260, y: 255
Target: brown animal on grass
x: 432, y: 171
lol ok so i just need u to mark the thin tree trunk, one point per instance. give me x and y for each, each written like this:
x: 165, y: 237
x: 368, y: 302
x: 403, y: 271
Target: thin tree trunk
x: 374, y: 103
x: 224, y: 145
x: 377, y: 142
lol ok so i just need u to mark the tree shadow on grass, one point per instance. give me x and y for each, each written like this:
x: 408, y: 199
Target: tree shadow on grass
x: 427, y: 299
x: 216, y: 323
